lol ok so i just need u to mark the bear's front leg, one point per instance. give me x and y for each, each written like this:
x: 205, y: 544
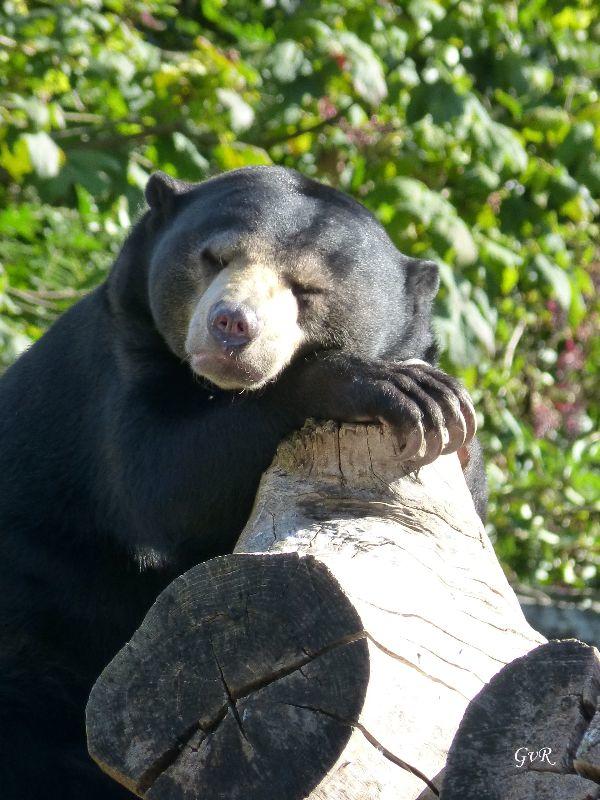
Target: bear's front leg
x: 430, y: 412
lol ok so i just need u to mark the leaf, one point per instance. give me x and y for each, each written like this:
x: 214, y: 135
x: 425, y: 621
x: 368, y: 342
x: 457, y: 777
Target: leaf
x: 287, y: 61
x: 185, y: 145
x: 365, y: 68
x: 45, y: 156
x: 463, y: 323
x: 12, y: 342
x: 17, y: 161
x: 539, y: 77
x: 579, y: 140
x: 499, y: 254
x: 112, y: 63
x: 240, y: 113
x: 556, y: 277
x: 96, y: 170
x: 136, y: 175
x: 438, y: 215
x: 425, y: 13
x: 240, y: 155
x: 484, y: 176
x: 450, y: 232
x: 17, y: 221
x: 499, y: 144
x: 439, y: 100
x: 480, y: 326
x: 547, y: 118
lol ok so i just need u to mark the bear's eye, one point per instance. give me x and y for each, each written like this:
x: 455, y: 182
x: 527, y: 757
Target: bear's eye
x: 212, y: 259
x: 304, y: 293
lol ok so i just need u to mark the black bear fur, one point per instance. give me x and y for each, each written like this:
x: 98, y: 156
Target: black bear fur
x: 120, y: 469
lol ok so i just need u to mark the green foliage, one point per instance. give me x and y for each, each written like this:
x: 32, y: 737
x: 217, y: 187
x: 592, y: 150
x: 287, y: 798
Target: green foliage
x: 470, y: 129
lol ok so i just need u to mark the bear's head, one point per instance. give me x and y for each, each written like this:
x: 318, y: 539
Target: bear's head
x: 252, y: 269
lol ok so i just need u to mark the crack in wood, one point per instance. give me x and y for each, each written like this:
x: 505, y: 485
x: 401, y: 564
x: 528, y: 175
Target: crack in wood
x: 412, y: 665
x: 169, y: 758
x: 432, y: 653
x: 231, y: 703
x: 399, y: 762
x: 406, y: 615
x: 385, y: 484
x: 339, y: 456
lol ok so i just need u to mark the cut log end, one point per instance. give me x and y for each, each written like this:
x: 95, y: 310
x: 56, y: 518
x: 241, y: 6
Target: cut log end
x: 533, y: 731
x: 242, y: 682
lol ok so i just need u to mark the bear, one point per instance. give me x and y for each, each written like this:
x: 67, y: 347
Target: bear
x: 135, y: 431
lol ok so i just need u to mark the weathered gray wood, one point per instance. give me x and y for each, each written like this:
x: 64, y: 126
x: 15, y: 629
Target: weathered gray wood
x: 221, y: 662
x: 519, y: 736
x: 587, y: 757
x: 333, y: 655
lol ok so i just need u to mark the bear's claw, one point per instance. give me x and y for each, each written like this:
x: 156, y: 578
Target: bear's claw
x: 430, y: 411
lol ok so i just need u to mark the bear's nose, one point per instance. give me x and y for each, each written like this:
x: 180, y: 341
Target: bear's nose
x: 232, y: 325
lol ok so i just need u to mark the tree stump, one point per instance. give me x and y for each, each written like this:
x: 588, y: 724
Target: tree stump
x: 333, y: 654
x: 533, y: 732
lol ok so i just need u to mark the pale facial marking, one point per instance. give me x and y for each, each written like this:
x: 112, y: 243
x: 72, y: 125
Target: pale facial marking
x: 260, y: 289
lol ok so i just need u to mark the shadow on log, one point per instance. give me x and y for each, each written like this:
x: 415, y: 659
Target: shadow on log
x: 333, y: 655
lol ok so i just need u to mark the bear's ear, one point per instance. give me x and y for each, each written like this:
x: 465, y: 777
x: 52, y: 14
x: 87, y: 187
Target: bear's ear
x: 161, y: 189
x: 422, y: 279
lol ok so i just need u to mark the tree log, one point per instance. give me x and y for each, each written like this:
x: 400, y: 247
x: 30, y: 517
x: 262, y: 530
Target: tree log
x: 333, y: 654
x: 533, y: 731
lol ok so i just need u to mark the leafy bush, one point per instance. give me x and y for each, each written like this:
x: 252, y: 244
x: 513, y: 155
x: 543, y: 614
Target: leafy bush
x: 472, y: 130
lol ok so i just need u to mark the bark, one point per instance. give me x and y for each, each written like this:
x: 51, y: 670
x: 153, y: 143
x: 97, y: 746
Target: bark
x: 333, y: 654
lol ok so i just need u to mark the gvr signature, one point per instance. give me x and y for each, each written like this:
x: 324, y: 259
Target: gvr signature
x: 524, y: 754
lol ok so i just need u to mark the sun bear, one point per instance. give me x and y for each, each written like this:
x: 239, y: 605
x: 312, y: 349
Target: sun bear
x: 135, y: 431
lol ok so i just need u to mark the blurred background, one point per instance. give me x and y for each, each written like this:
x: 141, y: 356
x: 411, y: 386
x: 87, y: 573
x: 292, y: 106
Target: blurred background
x: 471, y: 129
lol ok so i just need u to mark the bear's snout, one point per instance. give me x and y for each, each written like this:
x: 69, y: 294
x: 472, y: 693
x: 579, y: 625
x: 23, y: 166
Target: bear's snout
x: 232, y: 325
